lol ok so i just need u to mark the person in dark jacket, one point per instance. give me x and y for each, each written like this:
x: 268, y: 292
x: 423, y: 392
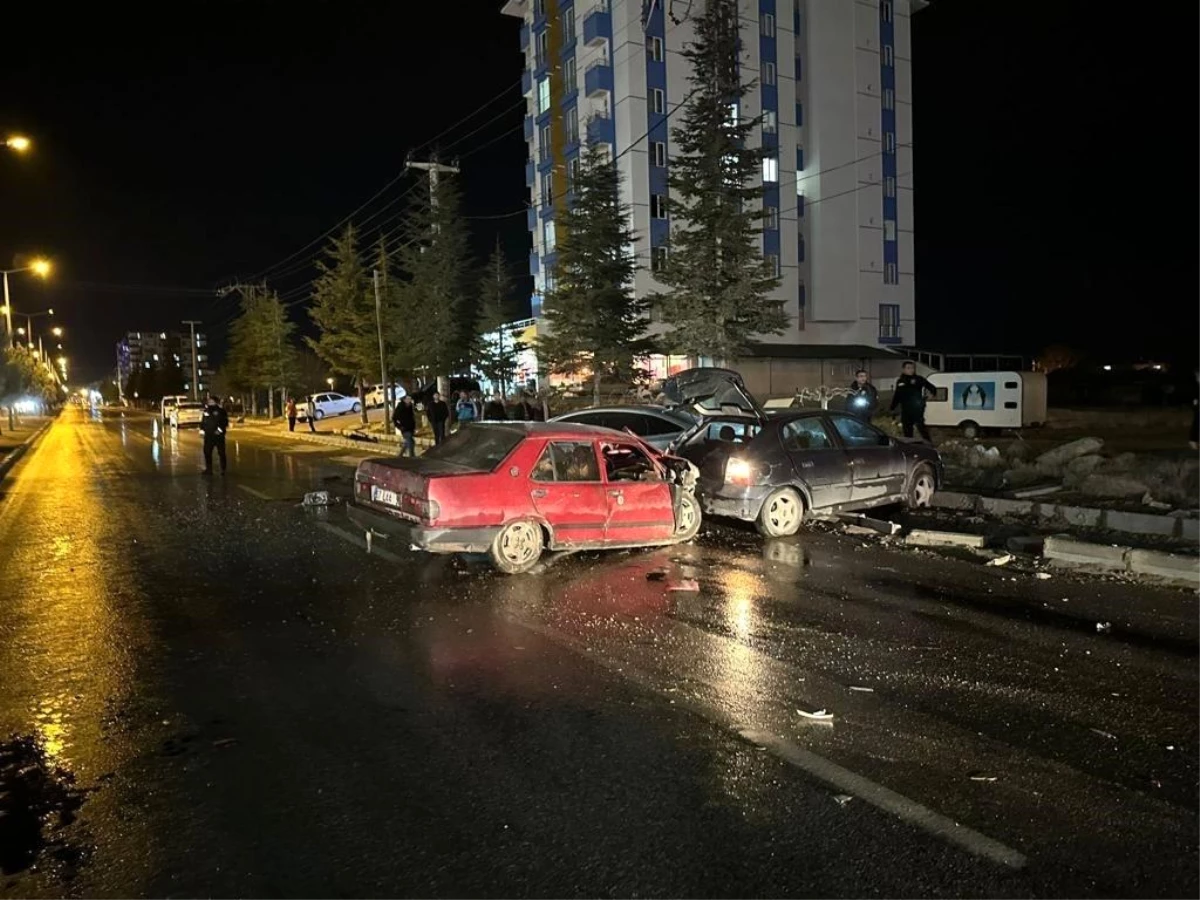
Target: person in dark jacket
x: 494, y: 411
x: 864, y: 398
x: 405, y: 420
x: 439, y: 414
x: 909, y: 395
x: 214, y: 424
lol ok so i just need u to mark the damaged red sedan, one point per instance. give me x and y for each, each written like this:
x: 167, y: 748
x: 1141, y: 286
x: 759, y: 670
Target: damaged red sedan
x: 515, y: 489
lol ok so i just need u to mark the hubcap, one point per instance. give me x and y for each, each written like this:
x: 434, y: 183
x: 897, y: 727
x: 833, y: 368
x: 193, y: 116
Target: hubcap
x: 687, y: 515
x: 782, y: 514
x: 519, y: 543
x: 923, y: 491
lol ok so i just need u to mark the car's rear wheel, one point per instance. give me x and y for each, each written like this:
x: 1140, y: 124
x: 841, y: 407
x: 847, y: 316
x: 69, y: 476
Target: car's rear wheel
x: 970, y: 429
x: 687, y: 523
x: 921, y: 488
x: 357, y: 407
x: 782, y: 513
x: 517, y: 547
x: 318, y: 415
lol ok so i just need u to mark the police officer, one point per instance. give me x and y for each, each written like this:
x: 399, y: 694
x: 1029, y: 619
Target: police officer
x: 864, y: 398
x: 911, y: 389
x: 214, y: 424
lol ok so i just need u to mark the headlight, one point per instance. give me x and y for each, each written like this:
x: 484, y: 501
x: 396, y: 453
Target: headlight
x: 860, y: 401
x: 737, y: 471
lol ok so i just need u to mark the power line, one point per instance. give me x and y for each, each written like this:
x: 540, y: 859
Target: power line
x: 469, y: 115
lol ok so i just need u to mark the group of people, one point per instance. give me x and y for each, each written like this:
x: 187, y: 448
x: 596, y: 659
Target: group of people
x: 469, y: 406
x: 909, y: 397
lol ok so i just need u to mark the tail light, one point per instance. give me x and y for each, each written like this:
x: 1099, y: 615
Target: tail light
x: 738, y: 471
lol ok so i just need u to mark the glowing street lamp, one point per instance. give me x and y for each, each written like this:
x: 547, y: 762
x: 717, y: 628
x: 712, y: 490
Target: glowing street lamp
x: 18, y: 143
x: 329, y: 381
x: 40, y: 267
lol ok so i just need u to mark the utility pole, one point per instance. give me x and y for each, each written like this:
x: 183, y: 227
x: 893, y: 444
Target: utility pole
x: 434, y: 169
x: 383, y: 373
x: 195, y: 359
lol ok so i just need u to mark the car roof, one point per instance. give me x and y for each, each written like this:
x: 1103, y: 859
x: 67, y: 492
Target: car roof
x: 548, y: 430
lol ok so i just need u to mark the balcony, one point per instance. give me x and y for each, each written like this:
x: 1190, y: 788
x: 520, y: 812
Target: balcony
x: 531, y: 219
x: 597, y: 25
x: 597, y: 79
x: 529, y: 173
x: 601, y: 129
x: 524, y: 38
x: 528, y: 128
x: 526, y: 82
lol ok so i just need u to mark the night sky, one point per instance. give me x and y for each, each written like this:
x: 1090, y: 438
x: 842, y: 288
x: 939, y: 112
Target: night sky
x: 173, y: 156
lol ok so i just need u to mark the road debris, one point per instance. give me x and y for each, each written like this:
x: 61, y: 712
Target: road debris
x: 316, y: 498
x: 820, y: 715
x: 1104, y: 734
x: 863, y: 689
x: 689, y: 585
x: 842, y: 799
x: 1103, y: 627
x: 980, y: 776
x: 1042, y: 576
x: 1001, y: 560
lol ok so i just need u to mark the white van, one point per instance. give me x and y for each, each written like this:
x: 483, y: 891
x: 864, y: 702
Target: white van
x: 974, y: 401
x: 169, y: 402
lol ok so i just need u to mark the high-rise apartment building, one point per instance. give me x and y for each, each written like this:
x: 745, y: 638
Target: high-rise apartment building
x: 833, y: 90
x: 149, y: 349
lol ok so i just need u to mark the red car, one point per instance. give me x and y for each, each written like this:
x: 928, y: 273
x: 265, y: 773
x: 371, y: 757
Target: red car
x: 514, y: 489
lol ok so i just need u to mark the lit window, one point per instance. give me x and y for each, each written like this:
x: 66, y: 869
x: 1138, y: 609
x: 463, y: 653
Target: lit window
x: 543, y: 95
x: 889, y: 98
x: 770, y: 123
x: 889, y: 229
x: 658, y: 100
x: 889, y: 186
x: 890, y: 275
x: 660, y: 153
x: 889, y: 57
x: 771, y: 218
x: 658, y: 259
x: 654, y: 47
x: 548, y: 236
x: 658, y: 206
x: 156, y: 357
x: 732, y: 120
x: 569, y: 82
x: 768, y: 25
x: 770, y: 169
x: 768, y: 73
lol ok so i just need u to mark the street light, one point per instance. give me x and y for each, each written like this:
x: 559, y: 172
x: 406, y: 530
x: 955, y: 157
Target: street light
x: 329, y: 381
x: 56, y: 331
x: 17, y: 142
x: 39, y: 267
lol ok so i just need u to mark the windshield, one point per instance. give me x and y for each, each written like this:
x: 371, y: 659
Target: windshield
x: 478, y: 447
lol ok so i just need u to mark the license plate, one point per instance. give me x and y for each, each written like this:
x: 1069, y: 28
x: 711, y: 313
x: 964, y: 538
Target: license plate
x: 388, y: 498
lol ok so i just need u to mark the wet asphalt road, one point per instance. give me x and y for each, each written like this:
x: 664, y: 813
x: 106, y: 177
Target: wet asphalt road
x: 208, y: 690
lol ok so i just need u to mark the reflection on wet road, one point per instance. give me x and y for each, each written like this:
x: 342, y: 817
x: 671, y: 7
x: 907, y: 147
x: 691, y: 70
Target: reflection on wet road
x: 206, y: 689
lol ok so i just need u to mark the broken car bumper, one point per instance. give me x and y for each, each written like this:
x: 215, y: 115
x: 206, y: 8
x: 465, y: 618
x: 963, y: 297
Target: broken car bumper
x: 423, y: 537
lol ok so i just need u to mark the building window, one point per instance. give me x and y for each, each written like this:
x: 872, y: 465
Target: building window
x: 889, y: 320
x: 568, y: 24
x: 572, y: 169
x: 659, y: 153
x: 889, y: 186
x: 658, y: 100
x: 539, y: 8
x: 889, y: 229
x: 889, y: 98
x: 654, y: 46
x: 569, y: 82
x: 800, y: 248
x: 799, y: 114
x: 768, y: 73
x: 799, y: 159
x: 770, y: 169
x: 772, y: 263
x: 658, y: 206
x: 732, y: 119
x: 889, y: 56
x: 889, y: 142
x: 890, y: 275
x: 767, y: 23
x: 658, y: 259
x: 771, y: 218
x: 548, y: 236
x: 544, y: 141
x: 543, y: 95
x: 571, y: 125
x: 547, y: 191
x: 770, y: 122
x: 542, y: 51
x: 885, y: 10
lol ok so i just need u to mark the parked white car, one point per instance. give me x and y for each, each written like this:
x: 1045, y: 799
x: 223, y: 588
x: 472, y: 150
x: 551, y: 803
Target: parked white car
x: 328, y: 404
x: 169, y: 403
x: 187, y: 414
x: 375, y: 395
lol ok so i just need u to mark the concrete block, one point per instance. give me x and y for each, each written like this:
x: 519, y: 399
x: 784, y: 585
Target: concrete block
x: 997, y: 506
x: 1140, y: 523
x: 1079, y: 516
x: 922, y: 538
x: 1025, y: 543
x: 1184, y: 569
x: 1189, y: 530
x: 955, y: 500
x: 1064, y: 549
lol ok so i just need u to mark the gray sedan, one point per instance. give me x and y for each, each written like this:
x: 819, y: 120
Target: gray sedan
x: 655, y: 425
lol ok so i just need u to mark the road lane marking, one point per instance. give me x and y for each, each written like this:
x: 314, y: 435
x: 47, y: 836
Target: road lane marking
x: 819, y: 767
x: 359, y: 542
x: 254, y: 492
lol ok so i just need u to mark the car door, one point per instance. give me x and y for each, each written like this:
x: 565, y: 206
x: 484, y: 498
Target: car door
x: 877, y: 464
x: 821, y: 463
x: 340, y: 403
x: 567, y: 491
x: 639, y: 508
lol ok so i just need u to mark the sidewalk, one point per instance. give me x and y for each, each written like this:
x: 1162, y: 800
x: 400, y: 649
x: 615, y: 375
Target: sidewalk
x: 14, y: 442
x: 330, y: 434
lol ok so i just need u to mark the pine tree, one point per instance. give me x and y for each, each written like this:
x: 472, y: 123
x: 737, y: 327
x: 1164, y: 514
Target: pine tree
x: 595, y: 322
x: 343, y: 310
x: 439, y: 326
x: 718, y: 284
x: 262, y: 353
x: 497, y: 360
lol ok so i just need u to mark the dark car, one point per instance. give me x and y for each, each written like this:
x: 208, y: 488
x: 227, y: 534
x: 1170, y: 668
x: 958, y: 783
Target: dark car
x: 776, y: 470
x: 656, y: 426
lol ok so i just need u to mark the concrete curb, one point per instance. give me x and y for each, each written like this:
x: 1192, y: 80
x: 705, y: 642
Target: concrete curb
x: 15, y: 454
x: 1077, y: 516
x: 383, y: 446
x: 1171, y: 567
x: 921, y: 538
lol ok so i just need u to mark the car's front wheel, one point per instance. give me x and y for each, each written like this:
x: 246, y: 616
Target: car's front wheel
x: 687, y: 523
x: 921, y: 487
x: 517, y: 547
x: 782, y: 513
x: 357, y: 407
x: 318, y: 415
